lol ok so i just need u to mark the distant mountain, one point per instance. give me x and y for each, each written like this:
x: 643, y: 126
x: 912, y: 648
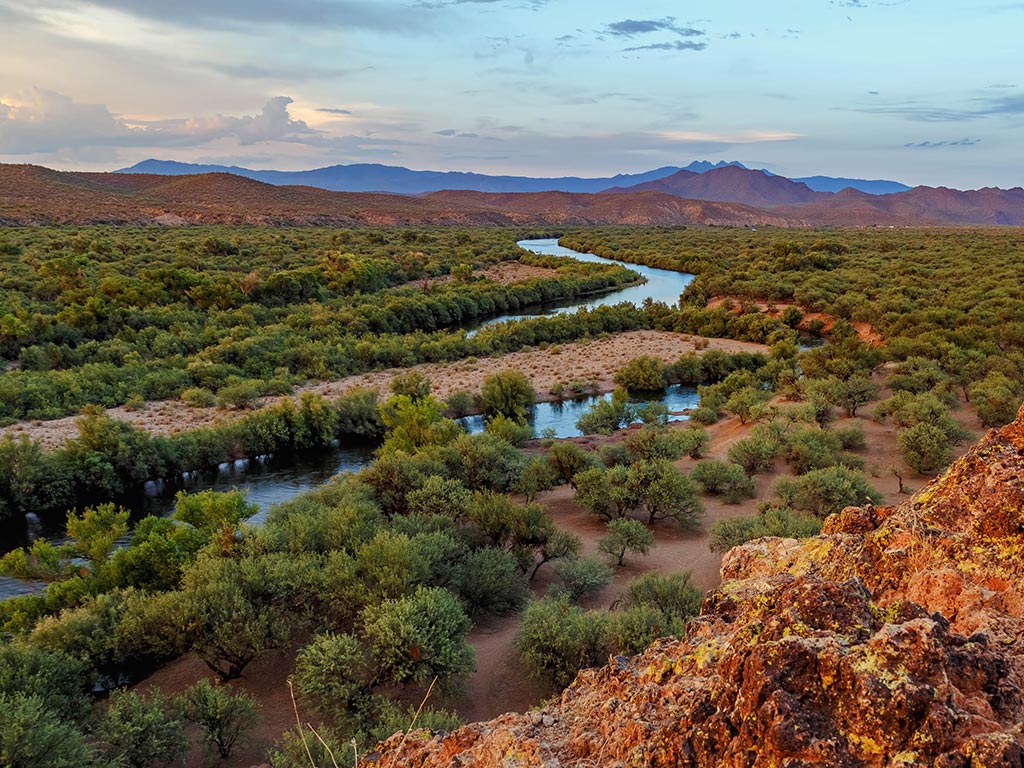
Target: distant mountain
x: 403, y: 181
x: 729, y: 184
x: 870, y: 186
x: 32, y: 195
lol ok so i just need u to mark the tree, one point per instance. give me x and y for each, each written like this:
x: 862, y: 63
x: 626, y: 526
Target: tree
x: 854, y: 392
x: 625, y: 535
x: 223, y: 717
x: 335, y: 672
x: 556, y: 639
x: 754, y: 454
x: 606, y: 416
x: 582, y: 575
x: 745, y: 404
x: 537, y: 475
x: 509, y: 393
x: 825, y: 491
x: 32, y: 736
x: 925, y: 447
x: 567, y: 460
x: 231, y: 612
x: 419, y: 636
x: 642, y: 374
x: 140, y: 732
x: 96, y: 530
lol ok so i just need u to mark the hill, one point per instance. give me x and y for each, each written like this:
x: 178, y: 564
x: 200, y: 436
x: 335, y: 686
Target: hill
x: 730, y: 184
x: 32, y: 195
x: 896, y: 638
x: 399, y: 180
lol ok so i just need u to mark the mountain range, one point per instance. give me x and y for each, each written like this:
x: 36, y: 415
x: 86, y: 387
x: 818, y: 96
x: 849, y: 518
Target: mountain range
x: 727, y: 196
x: 403, y: 181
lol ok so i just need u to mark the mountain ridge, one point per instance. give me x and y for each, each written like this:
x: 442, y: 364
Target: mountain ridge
x: 375, y: 177
x: 33, y: 195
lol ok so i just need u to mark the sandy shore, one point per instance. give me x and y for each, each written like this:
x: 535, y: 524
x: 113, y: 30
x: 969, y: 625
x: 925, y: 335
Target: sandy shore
x: 595, y: 361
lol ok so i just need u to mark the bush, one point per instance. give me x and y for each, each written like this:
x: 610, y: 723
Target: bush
x: 556, y: 639
x: 851, y: 438
x: 241, y: 395
x: 582, y: 575
x: 223, y: 716
x: 508, y: 393
x: 729, y: 480
x: 431, y: 621
x: 198, y: 397
x: 925, y: 447
x: 625, y: 535
x: 754, y: 454
x: 334, y: 671
x: 703, y: 415
x: 511, y: 431
x: 642, y: 374
x: 673, y: 594
x: 141, y: 733
x: 770, y: 521
x: 567, y: 460
x: 606, y: 416
x: 490, y: 582
x: 825, y: 491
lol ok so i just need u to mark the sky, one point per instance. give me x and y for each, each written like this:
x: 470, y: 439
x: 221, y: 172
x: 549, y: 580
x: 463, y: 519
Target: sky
x: 920, y: 92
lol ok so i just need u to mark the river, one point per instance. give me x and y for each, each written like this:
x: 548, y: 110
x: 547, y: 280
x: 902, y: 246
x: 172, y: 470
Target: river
x: 274, y: 479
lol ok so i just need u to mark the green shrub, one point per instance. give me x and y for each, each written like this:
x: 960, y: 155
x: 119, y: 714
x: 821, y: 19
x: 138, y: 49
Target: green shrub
x: 642, y: 374
x: 224, y: 717
x: 625, y: 535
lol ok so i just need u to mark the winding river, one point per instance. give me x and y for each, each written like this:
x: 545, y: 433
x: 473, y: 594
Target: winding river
x: 274, y: 479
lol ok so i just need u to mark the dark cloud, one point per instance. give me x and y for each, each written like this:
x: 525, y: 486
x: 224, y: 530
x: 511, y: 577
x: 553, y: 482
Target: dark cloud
x: 675, y: 45
x: 937, y: 144
x: 633, y: 27
x: 334, y: 111
x: 732, y: 36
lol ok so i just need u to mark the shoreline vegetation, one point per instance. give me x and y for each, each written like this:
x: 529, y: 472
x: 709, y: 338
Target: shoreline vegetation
x: 483, y: 568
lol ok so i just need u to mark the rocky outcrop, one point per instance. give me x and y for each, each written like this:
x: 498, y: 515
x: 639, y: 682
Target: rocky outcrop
x: 896, y: 638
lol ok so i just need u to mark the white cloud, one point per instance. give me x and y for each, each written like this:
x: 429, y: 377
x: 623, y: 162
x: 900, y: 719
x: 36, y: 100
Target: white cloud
x: 36, y: 121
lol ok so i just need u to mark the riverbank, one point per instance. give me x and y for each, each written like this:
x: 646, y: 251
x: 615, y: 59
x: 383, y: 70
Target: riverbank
x: 592, y: 362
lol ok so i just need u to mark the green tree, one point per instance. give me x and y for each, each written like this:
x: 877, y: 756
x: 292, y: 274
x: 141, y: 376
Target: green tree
x: 582, y: 575
x: 223, y: 716
x: 141, y: 732
x: 419, y: 636
x: 924, y: 447
x: 96, y: 530
x: 642, y: 374
x: 508, y: 393
x: 556, y: 639
x: 625, y: 535
x: 31, y: 736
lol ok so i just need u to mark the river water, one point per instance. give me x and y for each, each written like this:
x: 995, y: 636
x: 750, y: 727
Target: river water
x: 275, y: 479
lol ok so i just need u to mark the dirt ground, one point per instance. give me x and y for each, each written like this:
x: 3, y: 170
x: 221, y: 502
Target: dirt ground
x: 594, y: 360
x: 499, y: 683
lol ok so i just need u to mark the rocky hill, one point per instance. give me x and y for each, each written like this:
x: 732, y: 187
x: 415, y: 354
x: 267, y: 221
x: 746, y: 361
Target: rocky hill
x: 732, y: 185
x: 895, y: 638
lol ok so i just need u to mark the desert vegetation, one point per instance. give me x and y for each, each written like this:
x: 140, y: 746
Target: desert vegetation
x: 370, y: 589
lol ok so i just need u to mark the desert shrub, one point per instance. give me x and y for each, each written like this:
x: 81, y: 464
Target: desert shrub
x: 825, y: 491
x: 728, y: 480
x: 141, y: 732
x: 770, y: 521
x: 642, y: 374
x: 625, y: 535
x: 582, y: 575
x: 223, y: 717
x: 754, y: 454
x: 925, y: 447
x: 556, y: 639
x: 508, y: 393
x: 851, y: 438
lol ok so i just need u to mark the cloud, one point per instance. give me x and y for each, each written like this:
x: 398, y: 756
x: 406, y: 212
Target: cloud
x: 630, y: 28
x: 937, y: 144
x: 336, y: 14
x: 675, y: 45
x: 978, y: 108
x: 257, y: 72
x: 37, y: 120
x: 334, y: 111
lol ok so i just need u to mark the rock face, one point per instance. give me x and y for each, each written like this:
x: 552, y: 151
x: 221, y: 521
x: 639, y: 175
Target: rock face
x: 896, y: 638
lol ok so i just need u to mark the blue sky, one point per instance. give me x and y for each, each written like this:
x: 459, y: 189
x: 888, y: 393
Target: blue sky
x: 922, y: 92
